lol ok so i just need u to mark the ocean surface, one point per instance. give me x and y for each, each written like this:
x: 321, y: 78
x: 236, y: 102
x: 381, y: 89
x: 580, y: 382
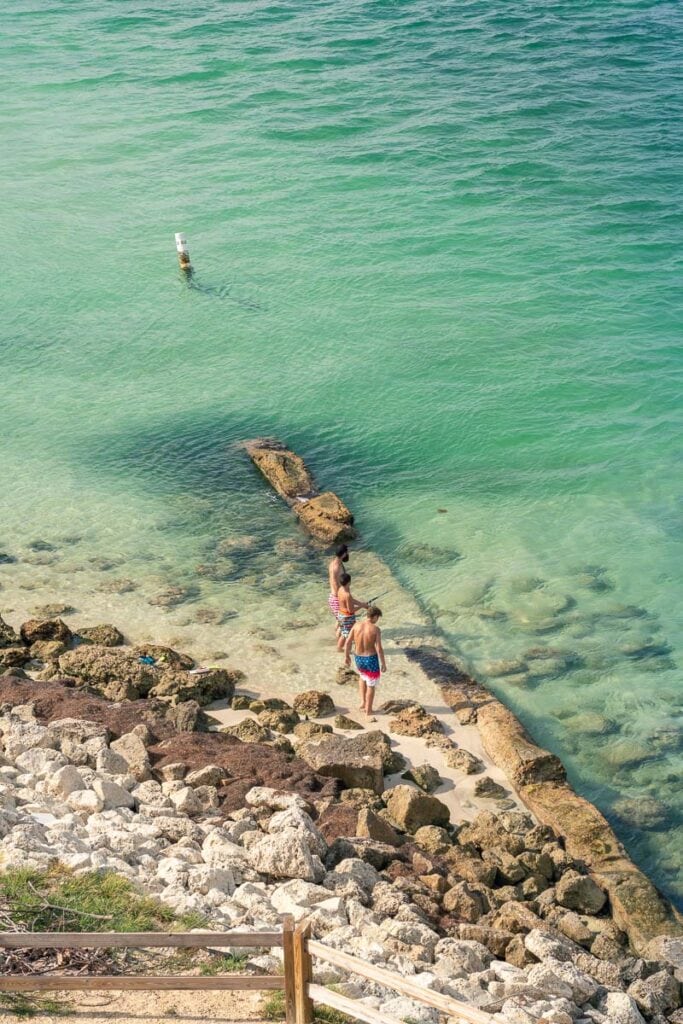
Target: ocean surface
x: 437, y: 249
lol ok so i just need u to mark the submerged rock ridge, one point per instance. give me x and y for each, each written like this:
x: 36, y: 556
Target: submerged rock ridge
x: 540, y: 779
x: 495, y: 911
x: 324, y: 515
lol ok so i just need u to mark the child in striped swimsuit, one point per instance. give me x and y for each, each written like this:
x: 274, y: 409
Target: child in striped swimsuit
x: 347, y: 609
x: 335, y: 572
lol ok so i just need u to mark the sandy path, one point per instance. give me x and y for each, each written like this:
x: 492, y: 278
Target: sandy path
x: 152, y: 1008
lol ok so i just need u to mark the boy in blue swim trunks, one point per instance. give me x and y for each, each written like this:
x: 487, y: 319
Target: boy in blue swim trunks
x: 366, y: 636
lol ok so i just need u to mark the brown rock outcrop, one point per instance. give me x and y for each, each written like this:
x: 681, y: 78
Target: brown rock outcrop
x: 324, y: 515
x: 540, y: 779
x: 354, y: 760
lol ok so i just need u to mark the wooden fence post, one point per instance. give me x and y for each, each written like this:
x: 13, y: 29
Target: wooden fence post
x: 290, y: 975
x: 303, y: 967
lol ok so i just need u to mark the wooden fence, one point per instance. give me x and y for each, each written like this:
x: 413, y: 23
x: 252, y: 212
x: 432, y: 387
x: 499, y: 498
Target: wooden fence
x: 300, y: 993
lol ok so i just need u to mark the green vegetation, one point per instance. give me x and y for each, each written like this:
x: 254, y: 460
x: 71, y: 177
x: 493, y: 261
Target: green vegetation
x: 223, y: 965
x: 273, y: 1007
x: 28, y: 1006
x: 58, y: 900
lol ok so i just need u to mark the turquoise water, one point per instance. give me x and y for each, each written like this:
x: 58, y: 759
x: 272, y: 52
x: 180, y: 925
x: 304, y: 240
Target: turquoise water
x: 437, y: 248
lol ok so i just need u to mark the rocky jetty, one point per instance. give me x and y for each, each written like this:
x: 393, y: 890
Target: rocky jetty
x: 324, y: 515
x: 540, y: 779
x: 119, y: 767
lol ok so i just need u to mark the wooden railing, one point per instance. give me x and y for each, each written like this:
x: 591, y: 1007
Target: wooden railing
x: 300, y: 993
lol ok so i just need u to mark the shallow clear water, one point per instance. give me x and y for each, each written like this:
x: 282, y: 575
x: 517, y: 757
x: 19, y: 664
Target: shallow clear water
x: 437, y: 250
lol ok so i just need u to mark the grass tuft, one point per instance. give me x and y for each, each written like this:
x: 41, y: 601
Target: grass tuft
x: 97, y: 901
x: 223, y: 965
x: 29, y: 1006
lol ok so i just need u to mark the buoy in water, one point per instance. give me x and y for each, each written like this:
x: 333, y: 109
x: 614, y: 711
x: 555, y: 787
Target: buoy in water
x: 183, y: 252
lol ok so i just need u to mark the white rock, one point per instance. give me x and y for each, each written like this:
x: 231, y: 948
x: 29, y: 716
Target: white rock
x: 203, y: 878
x: 295, y: 818
x: 219, y: 851
x: 360, y: 871
x: 505, y: 971
x: 263, y: 796
x: 185, y: 801
x: 547, y: 978
x: 470, y: 956
x: 208, y: 775
x: 111, y: 794
x: 134, y: 753
x: 285, y: 855
x: 412, y: 933
x: 296, y: 897
x: 173, y: 872
x: 85, y: 802
x: 107, y: 760
x: 406, y: 1009
x: 40, y: 762
x: 65, y: 781
x: 18, y: 737
x: 548, y: 947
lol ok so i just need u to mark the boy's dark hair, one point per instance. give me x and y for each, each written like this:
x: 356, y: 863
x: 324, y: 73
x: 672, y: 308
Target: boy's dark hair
x: 341, y: 551
x: 374, y: 612
x: 344, y: 579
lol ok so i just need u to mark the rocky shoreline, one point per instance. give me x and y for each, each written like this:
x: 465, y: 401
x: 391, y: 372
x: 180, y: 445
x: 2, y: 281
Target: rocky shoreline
x: 121, y: 758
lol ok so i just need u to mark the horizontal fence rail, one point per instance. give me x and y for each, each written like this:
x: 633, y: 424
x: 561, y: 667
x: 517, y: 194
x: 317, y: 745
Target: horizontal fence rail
x: 143, y: 940
x: 300, y: 993
x: 451, y: 1007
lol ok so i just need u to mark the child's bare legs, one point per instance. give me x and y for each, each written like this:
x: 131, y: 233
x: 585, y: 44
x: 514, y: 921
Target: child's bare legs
x: 369, y: 699
x: 362, y: 691
x: 341, y: 640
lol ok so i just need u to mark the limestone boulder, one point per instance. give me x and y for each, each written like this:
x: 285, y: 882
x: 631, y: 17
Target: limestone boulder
x: 370, y: 826
x: 208, y: 775
x: 275, y: 800
x: 201, y: 686
x: 111, y: 794
x: 413, y: 720
x: 295, y: 818
x: 8, y: 636
x: 425, y: 776
x: 307, y: 730
x: 464, y: 902
x: 81, y: 741
x: 133, y: 751
x: 282, y: 721
x: 580, y: 893
x: 286, y: 855
x: 105, y: 635
x: 411, y: 809
x: 45, y: 629
x: 667, y: 948
x: 463, y: 761
x: 356, y: 760
x: 284, y: 470
x: 116, y: 674
x: 47, y: 650
x: 248, y: 731
x: 314, y: 704
x: 433, y: 839
x: 622, y: 1009
x: 326, y: 517
x: 658, y: 994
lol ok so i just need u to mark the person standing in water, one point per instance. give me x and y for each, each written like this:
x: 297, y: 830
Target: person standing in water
x: 348, y: 607
x: 335, y: 572
x: 366, y: 636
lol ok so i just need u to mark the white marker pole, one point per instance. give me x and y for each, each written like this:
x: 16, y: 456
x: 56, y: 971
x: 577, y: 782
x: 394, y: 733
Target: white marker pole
x: 183, y: 251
